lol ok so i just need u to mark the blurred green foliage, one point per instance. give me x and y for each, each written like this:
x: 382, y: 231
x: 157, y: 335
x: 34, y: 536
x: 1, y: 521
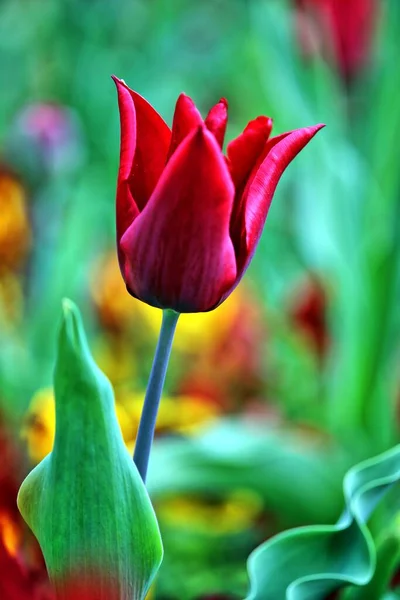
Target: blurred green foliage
x: 335, y: 219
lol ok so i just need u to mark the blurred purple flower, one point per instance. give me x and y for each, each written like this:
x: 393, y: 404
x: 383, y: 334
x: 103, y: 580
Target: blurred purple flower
x: 47, y: 139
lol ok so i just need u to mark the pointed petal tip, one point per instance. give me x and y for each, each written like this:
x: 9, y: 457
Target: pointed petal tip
x: 318, y: 127
x: 218, y: 114
x: 216, y: 120
x: 183, y: 97
x: 260, y: 187
x: 311, y: 131
x: 118, y: 82
x: 260, y: 124
x: 186, y: 119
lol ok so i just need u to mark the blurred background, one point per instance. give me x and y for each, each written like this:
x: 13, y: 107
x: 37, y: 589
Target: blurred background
x: 270, y: 398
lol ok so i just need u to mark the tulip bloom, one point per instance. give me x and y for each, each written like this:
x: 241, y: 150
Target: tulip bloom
x: 342, y: 29
x: 188, y: 218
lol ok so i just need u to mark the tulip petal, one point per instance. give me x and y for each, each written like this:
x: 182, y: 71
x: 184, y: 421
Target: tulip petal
x: 178, y: 251
x: 217, y: 119
x: 145, y: 139
x: 244, y: 150
x: 186, y: 119
x: 260, y: 188
x: 126, y: 213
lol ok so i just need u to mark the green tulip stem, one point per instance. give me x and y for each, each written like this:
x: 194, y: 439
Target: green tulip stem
x: 154, y: 390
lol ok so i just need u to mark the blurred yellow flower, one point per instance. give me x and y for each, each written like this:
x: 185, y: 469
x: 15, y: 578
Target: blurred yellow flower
x: 118, y: 311
x: 114, y: 356
x: 232, y: 337
x: 182, y: 414
x: 178, y: 414
x: 231, y: 515
x: 15, y: 232
x: 39, y: 427
x: 197, y: 332
x: 115, y: 307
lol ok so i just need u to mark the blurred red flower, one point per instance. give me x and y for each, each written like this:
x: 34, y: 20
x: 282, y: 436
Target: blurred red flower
x: 79, y: 589
x: 238, y: 350
x: 10, y: 479
x: 308, y: 312
x: 342, y: 29
x: 188, y: 219
x: 20, y: 582
x: 23, y: 574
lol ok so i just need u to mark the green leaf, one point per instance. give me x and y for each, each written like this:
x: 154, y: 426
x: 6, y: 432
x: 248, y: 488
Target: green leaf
x: 85, y: 502
x: 275, y: 464
x: 388, y: 554
x: 310, y: 562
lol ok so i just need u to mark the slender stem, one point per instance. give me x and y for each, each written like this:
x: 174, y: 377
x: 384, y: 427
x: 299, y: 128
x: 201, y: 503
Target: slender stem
x: 154, y: 390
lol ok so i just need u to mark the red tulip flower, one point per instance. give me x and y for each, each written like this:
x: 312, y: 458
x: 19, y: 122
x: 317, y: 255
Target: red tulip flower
x: 188, y: 218
x: 342, y: 29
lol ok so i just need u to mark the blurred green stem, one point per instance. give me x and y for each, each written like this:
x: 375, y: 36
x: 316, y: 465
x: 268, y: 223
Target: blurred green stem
x: 154, y: 390
x: 360, y: 407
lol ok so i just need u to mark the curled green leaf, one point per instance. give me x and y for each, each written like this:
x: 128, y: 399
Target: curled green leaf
x: 85, y: 502
x: 307, y: 563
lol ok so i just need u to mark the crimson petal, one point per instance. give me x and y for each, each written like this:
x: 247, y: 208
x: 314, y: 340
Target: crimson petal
x: 178, y: 251
x: 217, y: 119
x: 186, y: 118
x: 145, y: 139
x: 244, y: 150
x: 259, y: 191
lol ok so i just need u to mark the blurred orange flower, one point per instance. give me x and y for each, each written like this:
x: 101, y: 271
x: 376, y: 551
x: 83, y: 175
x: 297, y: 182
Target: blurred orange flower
x: 11, y: 299
x: 15, y: 231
